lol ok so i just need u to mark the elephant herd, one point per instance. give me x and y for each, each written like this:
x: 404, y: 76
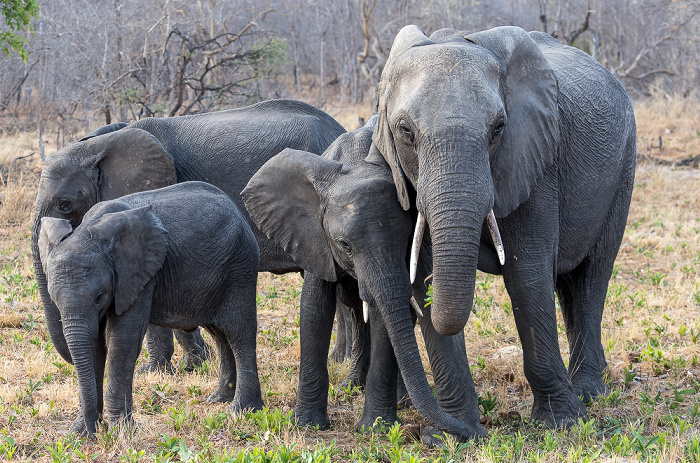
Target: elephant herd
x: 511, y: 153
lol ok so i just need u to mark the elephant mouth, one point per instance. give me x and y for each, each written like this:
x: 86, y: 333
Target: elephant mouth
x: 420, y: 231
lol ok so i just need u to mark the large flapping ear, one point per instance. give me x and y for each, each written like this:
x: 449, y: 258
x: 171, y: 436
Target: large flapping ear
x: 139, y: 244
x: 383, y: 140
x: 52, y: 232
x: 105, y: 129
x: 129, y: 161
x: 530, y: 140
x: 284, y: 200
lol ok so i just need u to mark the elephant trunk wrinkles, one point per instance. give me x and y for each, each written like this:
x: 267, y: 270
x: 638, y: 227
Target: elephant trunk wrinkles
x: 402, y: 335
x: 81, y: 341
x: 456, y: 200
x: 51, y: 314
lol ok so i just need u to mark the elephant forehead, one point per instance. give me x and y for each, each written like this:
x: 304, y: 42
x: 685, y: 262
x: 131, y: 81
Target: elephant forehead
x: 463, y: 61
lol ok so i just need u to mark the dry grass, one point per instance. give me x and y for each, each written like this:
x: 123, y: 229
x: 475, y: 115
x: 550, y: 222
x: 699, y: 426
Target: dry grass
x: 651, y: 317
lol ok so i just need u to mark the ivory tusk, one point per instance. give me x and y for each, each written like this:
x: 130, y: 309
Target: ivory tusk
x: 416, y: 307
x: 365, y: 310
x: 415, y: 247
x: 496, y: 237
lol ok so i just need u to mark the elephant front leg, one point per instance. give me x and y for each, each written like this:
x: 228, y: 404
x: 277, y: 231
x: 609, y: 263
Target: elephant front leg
x: 124, y: 334
x: 530, y: 237
x: 317, y: 311
x: 380, y: 390
x: 196, y: 351
x: 360, y: 334
x: 160, y: 347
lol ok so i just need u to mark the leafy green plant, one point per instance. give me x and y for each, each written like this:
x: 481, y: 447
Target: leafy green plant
x: 7, y: 447
x: 59, y: 452
x: 488, y: 403
x: 270, y: 420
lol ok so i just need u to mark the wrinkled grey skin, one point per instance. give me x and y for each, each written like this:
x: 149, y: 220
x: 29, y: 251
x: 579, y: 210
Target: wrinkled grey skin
x: 545, y: 136
x: 222, y: 148
x: 339, y: 217
x: 181, y: 257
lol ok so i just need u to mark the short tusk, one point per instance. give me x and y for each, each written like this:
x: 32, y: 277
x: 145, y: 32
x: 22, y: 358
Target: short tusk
x: 415, y: 247
x: 416, y: 307
x: 365, y: 310
x: 496, y: 237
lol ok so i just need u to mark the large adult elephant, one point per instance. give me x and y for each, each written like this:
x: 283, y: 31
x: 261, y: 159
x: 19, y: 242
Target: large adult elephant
x: 222, y: 148
x: 545, y: 136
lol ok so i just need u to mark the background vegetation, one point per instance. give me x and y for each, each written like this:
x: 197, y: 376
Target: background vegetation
x: 93, y: 62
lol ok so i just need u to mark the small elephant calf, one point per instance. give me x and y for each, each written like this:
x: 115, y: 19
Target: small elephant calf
x: 181, y: 257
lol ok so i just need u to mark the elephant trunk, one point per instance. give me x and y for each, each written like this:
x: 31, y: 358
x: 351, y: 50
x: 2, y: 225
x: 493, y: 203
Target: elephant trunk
x: 81, y: 341
x: 456, y: 194
x: 402, y: 335
x: 51, y: 313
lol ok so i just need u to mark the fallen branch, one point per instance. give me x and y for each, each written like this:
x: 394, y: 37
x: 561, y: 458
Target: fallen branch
x: 692, y: 161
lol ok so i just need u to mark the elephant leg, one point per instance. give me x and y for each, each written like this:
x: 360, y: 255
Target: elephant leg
x: 196, y: 351
x: 124, y: 335
x: 380, y: 390
x: 241, y: 332
x: 226, y: 388
x: 582, y: 295
x: 340, y: 348
x: 361, y: 338
x: 530, y: 237
x: 318, y: 300
x: 99, y: 359
x: 160, y: 346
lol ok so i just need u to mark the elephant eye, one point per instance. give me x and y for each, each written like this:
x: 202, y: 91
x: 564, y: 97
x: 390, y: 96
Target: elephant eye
x: 344, y: 244
x: 98, y: 298
x: 406, y: 129
x: 496, y: 131
x: 64, y: 205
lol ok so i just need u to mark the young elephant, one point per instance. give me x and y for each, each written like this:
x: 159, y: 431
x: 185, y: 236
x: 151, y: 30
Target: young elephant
x: 339, y: 217
x: 181, y: 257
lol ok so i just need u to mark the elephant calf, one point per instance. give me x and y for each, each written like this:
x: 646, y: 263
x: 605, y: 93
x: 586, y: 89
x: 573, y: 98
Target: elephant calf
x: 181, y: 257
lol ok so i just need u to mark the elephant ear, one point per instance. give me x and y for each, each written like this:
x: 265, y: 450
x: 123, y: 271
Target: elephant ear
x: 52, y: 232
x: 383, y: 140
x: 531, y: 138
x: 284, y: 199
x: 105, y: 129
x: 138, y: 244
x: 129, y: 161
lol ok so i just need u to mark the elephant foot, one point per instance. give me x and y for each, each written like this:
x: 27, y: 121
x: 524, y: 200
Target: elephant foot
x: 314, y: 417
x: 558, y: 411
x: 589, y: 388
x: 193, y: 359
x: 377, y: 419
x: 223, y: 395
x: 78, y: 426
x: 433, y: 437
x: 154, y: 365
x: 247, y: 405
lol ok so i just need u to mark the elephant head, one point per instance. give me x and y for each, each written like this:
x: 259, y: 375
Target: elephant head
x: 471, y: 123
x: 98, y: 268
x: 335, y: 217
x: 109, y: 163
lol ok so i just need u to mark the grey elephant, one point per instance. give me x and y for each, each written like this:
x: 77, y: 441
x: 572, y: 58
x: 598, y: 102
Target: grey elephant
x: 223, y: 148
x: 339, y: 218
x: 181, y: 257
x: 544, y: 136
